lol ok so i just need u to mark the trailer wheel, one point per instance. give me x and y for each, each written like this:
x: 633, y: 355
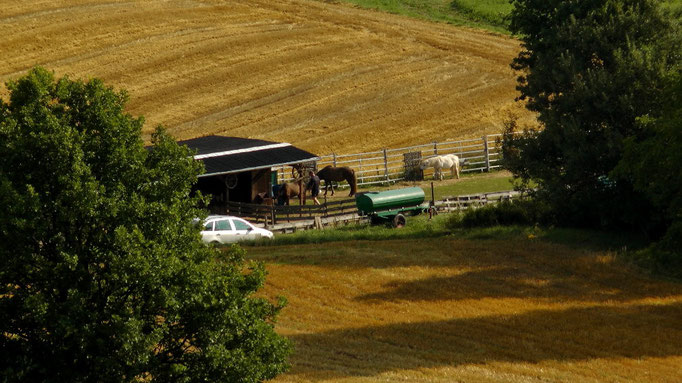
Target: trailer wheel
x: 399, y: 221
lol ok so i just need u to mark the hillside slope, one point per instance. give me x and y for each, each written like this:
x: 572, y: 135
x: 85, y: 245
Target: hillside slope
x: 327, y: 77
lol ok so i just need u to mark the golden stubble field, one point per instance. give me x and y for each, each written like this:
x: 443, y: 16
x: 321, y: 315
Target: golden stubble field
x: 449, y: 310
x: 326, y: 77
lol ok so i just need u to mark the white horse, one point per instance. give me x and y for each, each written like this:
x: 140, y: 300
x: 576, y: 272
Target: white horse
x: 438, y: 163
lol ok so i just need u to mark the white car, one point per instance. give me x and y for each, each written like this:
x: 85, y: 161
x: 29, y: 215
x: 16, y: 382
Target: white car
x: 227, y: 229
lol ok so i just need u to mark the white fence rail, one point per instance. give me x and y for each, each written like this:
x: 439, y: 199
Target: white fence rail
x: 392, y: 165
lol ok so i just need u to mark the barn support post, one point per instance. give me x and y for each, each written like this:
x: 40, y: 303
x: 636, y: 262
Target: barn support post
x: 386, y: 165
x: 486, y: 149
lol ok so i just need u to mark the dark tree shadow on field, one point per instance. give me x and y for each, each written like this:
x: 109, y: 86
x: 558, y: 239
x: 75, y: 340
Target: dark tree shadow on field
x: 515, y: 282
x: 640, y: 331
x: 530, y: 270
x: 444, y: 251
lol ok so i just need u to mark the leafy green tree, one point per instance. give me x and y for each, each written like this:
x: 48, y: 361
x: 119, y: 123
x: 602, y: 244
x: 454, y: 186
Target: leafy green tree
x: 103, y: 276
x: 653, y: 164
x: 589, y: 68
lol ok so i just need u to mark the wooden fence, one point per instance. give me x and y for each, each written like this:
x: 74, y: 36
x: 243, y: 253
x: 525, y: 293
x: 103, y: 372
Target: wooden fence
x: 392, y: 165
x: 272, y: 214
x: 285, y: 219
x: 464, y: 202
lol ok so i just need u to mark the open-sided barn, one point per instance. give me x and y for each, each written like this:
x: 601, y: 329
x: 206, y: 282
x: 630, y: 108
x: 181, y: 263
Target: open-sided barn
x: 238, y: 169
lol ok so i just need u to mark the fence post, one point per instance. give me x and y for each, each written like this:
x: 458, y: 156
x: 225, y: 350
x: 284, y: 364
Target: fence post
x: 487, y: 153
x: 386, y: 165
x: 334, y: 159
x: 435, y: 148
x: 360, y: 172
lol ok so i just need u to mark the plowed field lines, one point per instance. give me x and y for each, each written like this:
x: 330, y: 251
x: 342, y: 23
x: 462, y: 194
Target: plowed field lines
x: 326, y: 77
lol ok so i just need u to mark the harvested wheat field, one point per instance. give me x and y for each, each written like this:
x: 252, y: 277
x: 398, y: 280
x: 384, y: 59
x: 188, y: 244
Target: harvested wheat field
x: 448, y: 310
x: 326, y: 77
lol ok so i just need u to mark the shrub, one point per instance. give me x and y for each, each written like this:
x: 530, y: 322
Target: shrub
x: 520, y: 212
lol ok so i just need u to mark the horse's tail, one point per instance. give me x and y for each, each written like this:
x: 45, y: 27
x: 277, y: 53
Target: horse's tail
x: 353, y: 181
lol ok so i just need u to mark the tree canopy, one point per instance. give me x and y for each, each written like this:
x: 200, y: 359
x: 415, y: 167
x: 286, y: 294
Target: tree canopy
x: 653, y: 164
x: 103, y: 275
x: 590, y: 69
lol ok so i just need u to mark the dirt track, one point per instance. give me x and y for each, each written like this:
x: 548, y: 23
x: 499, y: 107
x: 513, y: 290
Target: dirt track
x: 326, y: 77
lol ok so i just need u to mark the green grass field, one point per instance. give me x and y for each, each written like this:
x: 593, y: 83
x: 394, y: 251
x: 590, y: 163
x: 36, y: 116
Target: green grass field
x: 469, y: 183
x: 492, y: 12
x: 485, y: 14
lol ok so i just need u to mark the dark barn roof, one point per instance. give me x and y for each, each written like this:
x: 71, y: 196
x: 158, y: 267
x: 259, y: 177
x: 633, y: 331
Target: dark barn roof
x: 224, y: 155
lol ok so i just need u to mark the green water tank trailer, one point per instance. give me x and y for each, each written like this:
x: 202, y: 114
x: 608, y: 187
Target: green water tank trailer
x: 391, y: 204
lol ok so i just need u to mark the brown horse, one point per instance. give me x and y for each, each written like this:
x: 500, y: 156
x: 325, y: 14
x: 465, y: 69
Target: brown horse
x: 263, y: 199
x: 330, y: 174
x: 287, y: 191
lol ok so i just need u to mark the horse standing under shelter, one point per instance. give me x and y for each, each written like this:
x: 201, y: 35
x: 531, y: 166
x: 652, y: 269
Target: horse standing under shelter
x: 287, y: 191
x: 330, y: 174
x: 446, y: 161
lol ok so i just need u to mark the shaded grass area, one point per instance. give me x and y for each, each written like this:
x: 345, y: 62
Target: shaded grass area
x: 449, y: 226
x: 417, y: 227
